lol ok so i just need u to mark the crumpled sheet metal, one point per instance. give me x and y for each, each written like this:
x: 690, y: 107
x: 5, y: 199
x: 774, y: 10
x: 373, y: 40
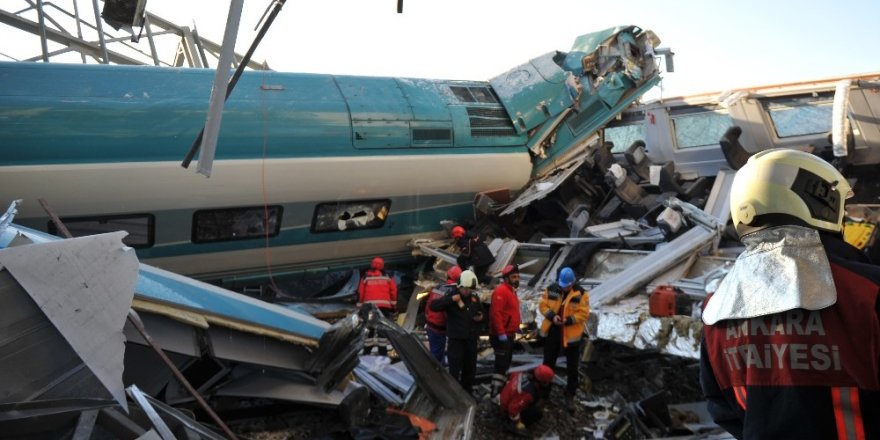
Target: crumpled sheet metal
x: 629, y: 323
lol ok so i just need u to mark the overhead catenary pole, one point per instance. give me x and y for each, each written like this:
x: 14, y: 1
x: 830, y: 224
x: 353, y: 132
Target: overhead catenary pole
x: 218, y: 97
x: 276, y: 8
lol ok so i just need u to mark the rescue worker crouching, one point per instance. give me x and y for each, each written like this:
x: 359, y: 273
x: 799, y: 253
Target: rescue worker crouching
x: 379, y: 289
x: 791, y: 342
x: 520, y: 396
x: 565, y: 307
x: 464, y: 312
x: 504, y: 320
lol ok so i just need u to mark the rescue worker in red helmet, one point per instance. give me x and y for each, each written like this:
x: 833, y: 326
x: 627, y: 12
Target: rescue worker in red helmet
x: 504, y: 322
x: 474, y: 254
x: 519, y: 398
x: 565, y: 307
x: 435, y: 321
x: 379, y: 289
x: 791, y: 342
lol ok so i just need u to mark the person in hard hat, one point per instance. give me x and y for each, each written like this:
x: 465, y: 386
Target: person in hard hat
x: 473, y: 254
x: 565, y: 307
x: 464, y: 312
x: 791, y: 341
x: 379, y: 289
x: 435, y: 322
x: 504, y: 322
x: 520, y: 396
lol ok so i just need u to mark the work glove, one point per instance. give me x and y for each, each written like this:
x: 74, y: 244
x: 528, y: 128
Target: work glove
x: 502, y: 337
x: 520, y: 426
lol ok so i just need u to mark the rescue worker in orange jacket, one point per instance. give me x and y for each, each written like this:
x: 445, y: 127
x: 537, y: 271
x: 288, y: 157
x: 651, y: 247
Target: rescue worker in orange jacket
x: 519, y: 398
x: 435, y: 321
x: 565, y: 307
x: 377, y: 288
x: 791, y: 342
x: 504, y: 322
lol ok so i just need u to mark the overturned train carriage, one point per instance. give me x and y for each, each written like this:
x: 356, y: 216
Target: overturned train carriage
x: 324, y: 170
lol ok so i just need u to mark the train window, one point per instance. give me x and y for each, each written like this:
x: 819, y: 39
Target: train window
x: 140, y: 227
x: 624, y: 135
x: 473, y: 94
x: 350, y: 216
x: 227, y: 224
x: 800, y: 116
x: 700, y: 129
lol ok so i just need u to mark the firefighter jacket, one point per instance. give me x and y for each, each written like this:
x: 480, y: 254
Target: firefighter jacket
x: 504, y: 310
x: 807, y: 372
x: 378, y: 288
x: 520, y: 392
x: 436, y: 320
x: 462, y: 319
x: 573, y: 307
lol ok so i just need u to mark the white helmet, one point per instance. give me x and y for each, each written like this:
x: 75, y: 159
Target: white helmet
x: 468, y: 279
x: 785, y: 186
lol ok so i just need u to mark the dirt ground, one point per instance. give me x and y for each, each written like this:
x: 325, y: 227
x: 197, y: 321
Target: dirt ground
x: 616, y: 376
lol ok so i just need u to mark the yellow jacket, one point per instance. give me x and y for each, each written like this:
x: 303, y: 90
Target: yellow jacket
x: 575, y: 311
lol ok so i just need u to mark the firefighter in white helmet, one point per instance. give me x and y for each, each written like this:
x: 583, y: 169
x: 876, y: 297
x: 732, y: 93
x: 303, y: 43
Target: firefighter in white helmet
x: 791, y: 342
x: 464, y: 312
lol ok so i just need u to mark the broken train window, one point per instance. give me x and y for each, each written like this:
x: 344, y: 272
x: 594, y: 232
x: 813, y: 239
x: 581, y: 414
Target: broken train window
x: 211, y: 225
x: 699, y: 127
x: 800, y: 115
x: 140, y: 227
x: 623, y: 132
x: 350, y: 216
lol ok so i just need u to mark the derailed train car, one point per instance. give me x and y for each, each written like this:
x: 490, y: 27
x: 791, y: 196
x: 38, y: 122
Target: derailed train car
x: 312, y: 171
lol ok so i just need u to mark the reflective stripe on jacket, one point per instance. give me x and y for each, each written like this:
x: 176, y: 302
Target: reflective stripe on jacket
x: 804, y: 374
x: 575, y: 311
x: 377, y: 288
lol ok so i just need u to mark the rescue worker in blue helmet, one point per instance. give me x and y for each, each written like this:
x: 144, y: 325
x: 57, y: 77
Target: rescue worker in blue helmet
x: 565, y: 307
x: 791, y: 341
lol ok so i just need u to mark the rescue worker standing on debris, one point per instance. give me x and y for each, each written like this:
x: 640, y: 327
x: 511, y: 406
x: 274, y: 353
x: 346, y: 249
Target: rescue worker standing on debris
x: 504, y: 322
x: 565, y: 307
x: 435, y: 322
x: 377, y: 288
x: 791, y: 342
x: 464, y: 312
x: 520, y: 396
x: 474, y: 254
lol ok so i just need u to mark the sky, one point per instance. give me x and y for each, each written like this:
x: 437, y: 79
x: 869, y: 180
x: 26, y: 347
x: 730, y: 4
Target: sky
x: 718, y: 45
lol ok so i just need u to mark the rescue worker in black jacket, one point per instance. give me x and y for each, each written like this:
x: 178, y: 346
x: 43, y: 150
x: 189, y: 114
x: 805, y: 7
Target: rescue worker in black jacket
x: 474, y: 253
x: 791, y: 342
x: 464, y: 312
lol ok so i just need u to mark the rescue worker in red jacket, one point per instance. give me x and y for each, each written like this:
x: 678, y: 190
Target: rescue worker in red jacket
x: 519, y: 398
x: 791, y: 342
x: 464, y: 312
x: 504, y: 322
x: 565, y: 307
x: 474, y: 254
x: 377, y: 288
x: 435, y: 322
